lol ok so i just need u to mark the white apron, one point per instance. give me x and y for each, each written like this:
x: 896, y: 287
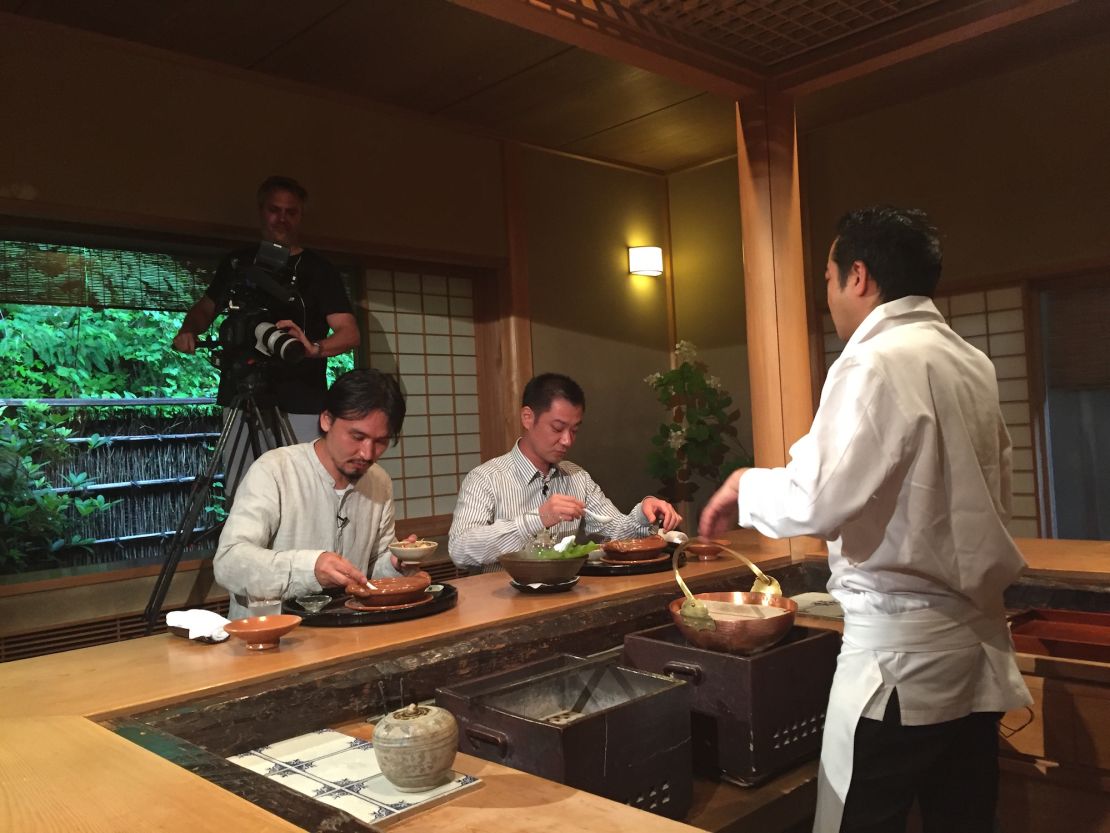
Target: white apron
x: 858, y: 678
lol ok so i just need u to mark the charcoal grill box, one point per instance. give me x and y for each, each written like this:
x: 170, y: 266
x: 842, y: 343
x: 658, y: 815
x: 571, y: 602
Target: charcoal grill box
x: 585, y: 722
x: 751, y: 716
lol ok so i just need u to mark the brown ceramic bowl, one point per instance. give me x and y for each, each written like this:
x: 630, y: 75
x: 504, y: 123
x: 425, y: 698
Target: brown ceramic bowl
x: 392, y: 591
x: 705, y: 549
x: 634, y: 549
x: 262, y: 632
x: 738, y: 636
x: 525, y: 570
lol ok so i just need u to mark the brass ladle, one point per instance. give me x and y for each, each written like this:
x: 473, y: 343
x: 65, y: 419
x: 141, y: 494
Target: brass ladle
x: 763, y: 583
x: 694, y: 612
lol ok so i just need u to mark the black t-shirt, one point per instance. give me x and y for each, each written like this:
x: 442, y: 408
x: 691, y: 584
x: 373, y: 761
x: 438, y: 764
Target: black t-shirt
x: 297, y: 388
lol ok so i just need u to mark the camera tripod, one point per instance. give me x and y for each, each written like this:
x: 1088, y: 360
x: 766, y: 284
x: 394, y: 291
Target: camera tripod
x: 264, y: 428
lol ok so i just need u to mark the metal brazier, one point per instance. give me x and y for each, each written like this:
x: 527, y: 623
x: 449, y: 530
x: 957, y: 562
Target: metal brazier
x: 588, y: 723
x: 751, y: 716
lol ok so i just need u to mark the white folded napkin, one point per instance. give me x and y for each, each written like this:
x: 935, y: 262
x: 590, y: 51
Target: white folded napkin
x: 199, y: 623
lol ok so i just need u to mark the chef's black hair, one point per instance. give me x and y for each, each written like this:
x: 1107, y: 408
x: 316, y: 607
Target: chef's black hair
x: 899, y: 246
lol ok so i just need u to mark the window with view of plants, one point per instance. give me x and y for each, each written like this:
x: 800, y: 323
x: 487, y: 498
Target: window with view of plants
x: 100, y: 481
x: 92, y: 484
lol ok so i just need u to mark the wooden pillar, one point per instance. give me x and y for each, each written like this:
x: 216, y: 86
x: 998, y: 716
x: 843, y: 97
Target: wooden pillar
x: 515, y: 348
x: 774, y: 278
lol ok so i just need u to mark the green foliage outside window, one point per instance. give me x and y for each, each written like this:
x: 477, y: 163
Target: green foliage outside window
x: 34, y: 517
x: 68, y: 353
x: 71, y: 352
x: 49, y: 352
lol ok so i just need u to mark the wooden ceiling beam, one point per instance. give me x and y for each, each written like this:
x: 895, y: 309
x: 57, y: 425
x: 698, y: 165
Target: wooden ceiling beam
x: 573, y: 23
x: 966, y: 22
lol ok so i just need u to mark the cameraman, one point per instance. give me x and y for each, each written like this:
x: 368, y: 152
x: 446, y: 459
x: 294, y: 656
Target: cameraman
x: 298, y: 388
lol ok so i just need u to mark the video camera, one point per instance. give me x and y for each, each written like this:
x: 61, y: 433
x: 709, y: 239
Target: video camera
x: 260, y: 293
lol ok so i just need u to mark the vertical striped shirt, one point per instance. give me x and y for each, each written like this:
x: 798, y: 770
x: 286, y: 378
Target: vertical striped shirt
x: 498, y: 509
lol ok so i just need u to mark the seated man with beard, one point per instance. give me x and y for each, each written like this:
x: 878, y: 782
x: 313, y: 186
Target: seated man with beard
x: 318, y: 514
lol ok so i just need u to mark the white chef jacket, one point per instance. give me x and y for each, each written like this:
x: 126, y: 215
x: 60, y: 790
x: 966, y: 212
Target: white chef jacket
x: 906, y: 472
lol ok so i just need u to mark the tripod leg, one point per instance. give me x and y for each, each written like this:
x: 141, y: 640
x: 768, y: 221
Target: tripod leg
x: 243, y: 415
x: 237, y: 459
x: 183, y: 535
x: 285, y: 434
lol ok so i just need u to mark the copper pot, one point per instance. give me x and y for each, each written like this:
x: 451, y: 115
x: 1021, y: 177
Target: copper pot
x: 738, y: 636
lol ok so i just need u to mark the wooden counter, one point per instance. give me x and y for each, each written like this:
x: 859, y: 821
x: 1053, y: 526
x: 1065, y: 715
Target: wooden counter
x: 53, y: 758
x: 1085, y: 562
x: 58, y: 767
x: 125, y: 677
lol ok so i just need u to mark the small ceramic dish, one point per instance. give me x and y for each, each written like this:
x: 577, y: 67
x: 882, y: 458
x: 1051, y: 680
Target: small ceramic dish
x: 314, y: 604
x: 705, y: 549
x: 414, y: 552
x: 261, y: 633
x: 392, y: 591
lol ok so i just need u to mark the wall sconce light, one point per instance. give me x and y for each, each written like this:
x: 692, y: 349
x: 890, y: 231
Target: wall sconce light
x: 645, y: 260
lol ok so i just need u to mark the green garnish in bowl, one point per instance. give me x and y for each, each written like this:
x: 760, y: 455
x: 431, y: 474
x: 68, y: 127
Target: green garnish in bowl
x: 573, y: 551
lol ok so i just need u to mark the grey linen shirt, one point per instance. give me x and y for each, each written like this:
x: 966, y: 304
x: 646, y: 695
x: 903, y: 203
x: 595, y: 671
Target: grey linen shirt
x: 498, y: 509
x: 286, y: 513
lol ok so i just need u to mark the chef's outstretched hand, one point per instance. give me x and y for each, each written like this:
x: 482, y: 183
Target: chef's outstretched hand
x: 661, y: 512
x: 722, y: 510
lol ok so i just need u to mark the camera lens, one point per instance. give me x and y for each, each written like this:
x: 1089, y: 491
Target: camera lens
x: 277, y: 343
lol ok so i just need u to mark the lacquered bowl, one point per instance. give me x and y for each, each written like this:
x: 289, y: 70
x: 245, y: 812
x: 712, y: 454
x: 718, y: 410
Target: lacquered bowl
x: 261, y: 633
x: 705, y: 549
x: 525, y: 570
x: 416, y: 552
x: 739, y: 636
x: 634, y: 549
x: 392, y: 591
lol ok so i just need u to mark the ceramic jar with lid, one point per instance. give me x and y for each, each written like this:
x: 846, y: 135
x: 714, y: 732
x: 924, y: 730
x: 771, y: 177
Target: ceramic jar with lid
x: 416, y: 747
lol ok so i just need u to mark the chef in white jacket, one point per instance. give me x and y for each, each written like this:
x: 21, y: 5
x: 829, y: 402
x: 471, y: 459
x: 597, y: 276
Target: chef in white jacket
x: 906, y: 472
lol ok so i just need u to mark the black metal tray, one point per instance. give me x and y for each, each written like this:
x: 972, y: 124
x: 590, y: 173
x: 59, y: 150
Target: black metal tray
x: 631, y: 568
x: 338, y: 615
x: 561, y: 587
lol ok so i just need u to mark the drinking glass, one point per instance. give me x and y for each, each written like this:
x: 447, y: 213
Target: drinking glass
x: 264, y: 597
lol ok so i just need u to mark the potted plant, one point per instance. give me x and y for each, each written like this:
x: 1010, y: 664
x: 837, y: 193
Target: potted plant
x: 698, y: 440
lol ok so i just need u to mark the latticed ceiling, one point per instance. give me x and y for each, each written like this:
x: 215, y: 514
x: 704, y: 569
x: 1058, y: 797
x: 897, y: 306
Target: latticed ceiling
x: 646, y: 83
x: 769, y: 32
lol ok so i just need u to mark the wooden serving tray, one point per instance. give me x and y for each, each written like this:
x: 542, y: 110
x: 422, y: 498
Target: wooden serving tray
x: 1062, y: 633
x: 338, y: 615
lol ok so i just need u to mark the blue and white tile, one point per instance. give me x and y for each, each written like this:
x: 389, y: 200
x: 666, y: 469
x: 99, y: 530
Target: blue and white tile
x: 301, y: 782
x: 348, y: 766
x: 342, y: 771
x: 380, y: 790
x: 256, y: 763
x: 312, y: 745
x: 361, y: 808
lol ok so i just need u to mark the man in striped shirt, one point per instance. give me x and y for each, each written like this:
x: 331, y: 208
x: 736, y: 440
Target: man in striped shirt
x: 505, y: 502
